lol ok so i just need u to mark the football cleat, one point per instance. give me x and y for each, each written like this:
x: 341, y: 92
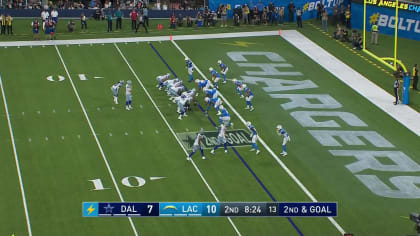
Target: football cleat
x: 252, y: 108
x: 258, y: 151
x: 212, y: 151
x: 218, y: 113
x: 203, y: 157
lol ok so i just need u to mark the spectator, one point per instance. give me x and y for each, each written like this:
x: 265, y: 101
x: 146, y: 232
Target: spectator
x: 83, y: 22
x: 54, y: 15
x: 325, y: 20
x: 71, y: 26
x: 270, y: 12
x: 245, y: 13
x: 260, y: 8
x: 292, y: 9
x: 353, y: 36
x: 236, y: 20
x: 140, y: 21
x: 189, y: 21
x: 44, y: 16
x: 224, y: 16
x: 199, y: 19
x: 275, y: 16
x: 35, y: 29
x: 343, y: 14
x: 358, y: 44
x: 299, y: 17
x: 319, y: 11
x: 375, y: 32
x: 264, y: 17
x: 214, y: 19
x: 172, y: 21
x: 109, y: 20
x: 335, y: 14
x: 348, y: 17
x: 338, y: 32
x: 146, y: 16
x: 118, y: 15
x: 256, y: 17
x: 3, y: 24
x: 9, y: 22
x: 415, y: 75
x: 180, y: 20
x: 206, y: 16
x: 345, y: 36
x: 133, y: 16
x: 281, y: 15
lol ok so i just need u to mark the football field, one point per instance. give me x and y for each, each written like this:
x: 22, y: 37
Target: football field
x: 65, y: 142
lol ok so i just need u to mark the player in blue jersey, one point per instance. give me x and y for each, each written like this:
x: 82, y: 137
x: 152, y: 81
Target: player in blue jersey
x: 224, y: 118
x: 215, y: 77
x: 221, y: 139
x: 253, y: 136
x: 248, y: 98
x: 286, y: 138
x: 216, y: 102
x: 239, y: 87
x: 202, y: 84
x: 116, y: 89
x: 197, y: 145
x: 211, y: 92
x: 128, y: 94
x: 161, y: 80
x: 190, y: 68
x: 224, y: 69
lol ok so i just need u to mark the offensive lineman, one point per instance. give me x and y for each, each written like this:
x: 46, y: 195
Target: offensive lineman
x: 286, y: 138
x: 197, y: 145
x: 253, y: 136
x: 221, y: 139
x: 115, y: 90
x: 128, y: 96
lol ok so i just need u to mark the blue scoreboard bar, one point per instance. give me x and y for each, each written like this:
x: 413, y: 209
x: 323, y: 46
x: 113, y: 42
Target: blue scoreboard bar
x: 209, y: 209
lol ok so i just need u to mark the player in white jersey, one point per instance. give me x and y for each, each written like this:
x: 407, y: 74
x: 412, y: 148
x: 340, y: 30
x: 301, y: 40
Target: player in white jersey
x: 161, y: 79
x: 286, y: 138
x: 115, y: 90
x: 181, y: 107
x: 197, y: 145
x: 221, y: 139
x: 128, y: 94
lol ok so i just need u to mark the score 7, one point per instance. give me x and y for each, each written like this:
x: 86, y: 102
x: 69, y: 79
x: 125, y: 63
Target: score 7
x: 150, y: 207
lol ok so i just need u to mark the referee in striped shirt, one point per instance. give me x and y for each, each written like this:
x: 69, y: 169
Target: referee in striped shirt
x: 396, y: 89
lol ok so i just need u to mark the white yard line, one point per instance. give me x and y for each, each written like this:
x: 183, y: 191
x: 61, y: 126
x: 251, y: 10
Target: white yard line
x: 405, y: 115
x: 95, y: 137
x: 136, y: 39
x: 174, y: 134
x: 22, y: 189
x: 286, y: 169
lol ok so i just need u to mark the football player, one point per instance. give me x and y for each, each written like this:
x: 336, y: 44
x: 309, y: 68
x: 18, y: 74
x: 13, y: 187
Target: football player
x: 248, y: 98
x: 221, y: 139
x: 224, y: 69
x: 197, y: 145
x: 190, y: 68
x: 215, y: 77
x: 161, y: 79
x: 253, y: 136
x: 115, y: 90
x: 216, y: 102
x: 224, y: 118
x: 128, y: 94
x: 239, y: 87
x: 286, y: 138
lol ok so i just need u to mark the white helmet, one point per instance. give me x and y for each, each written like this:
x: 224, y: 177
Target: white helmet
x: 128, y: 81
x: 197, y: 81
x: 248, y: 123
x: 210, y: 69
x: 221, y: 107
x: 243, y: 85
x: 186, y: 58
x: 219, y: 62
x: 234, y: 80
x: 279, y: 127
x: 167, y: 75
x: 206, y: 99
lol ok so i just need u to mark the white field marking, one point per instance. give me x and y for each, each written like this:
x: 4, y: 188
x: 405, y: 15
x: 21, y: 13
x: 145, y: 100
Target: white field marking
x: 113, y: 108
x: 68, y: 110
x: 62, y: 137
x: 174, y: 134
x: 141, y: 106
x: 126, y: 134
x: 22, y: 190
x: 23, y: 113
x: 157, y: 131
x: 53, y: 111
x: 30, y: 140
x: 139, y: 39
x: 156, y: 178
x: 38, y: 112
x: 110, y: 134
x: 78, y: 136
x: 141, y: 132
x: 405, y: 115
x: 46, y: 138
x: 98, y: 108
x: 95, y: 137
x: 280, y: 162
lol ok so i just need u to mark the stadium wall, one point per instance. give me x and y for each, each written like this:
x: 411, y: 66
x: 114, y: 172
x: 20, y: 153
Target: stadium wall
x: 408, y: 22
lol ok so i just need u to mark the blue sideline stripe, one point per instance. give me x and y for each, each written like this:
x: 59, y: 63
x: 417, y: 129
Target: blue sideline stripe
x: 233, y: 148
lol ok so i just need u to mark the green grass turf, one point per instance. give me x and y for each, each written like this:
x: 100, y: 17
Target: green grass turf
x: 56, y: 172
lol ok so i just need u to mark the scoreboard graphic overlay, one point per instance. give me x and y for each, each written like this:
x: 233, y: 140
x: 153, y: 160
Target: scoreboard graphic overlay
x: 209, y: 209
